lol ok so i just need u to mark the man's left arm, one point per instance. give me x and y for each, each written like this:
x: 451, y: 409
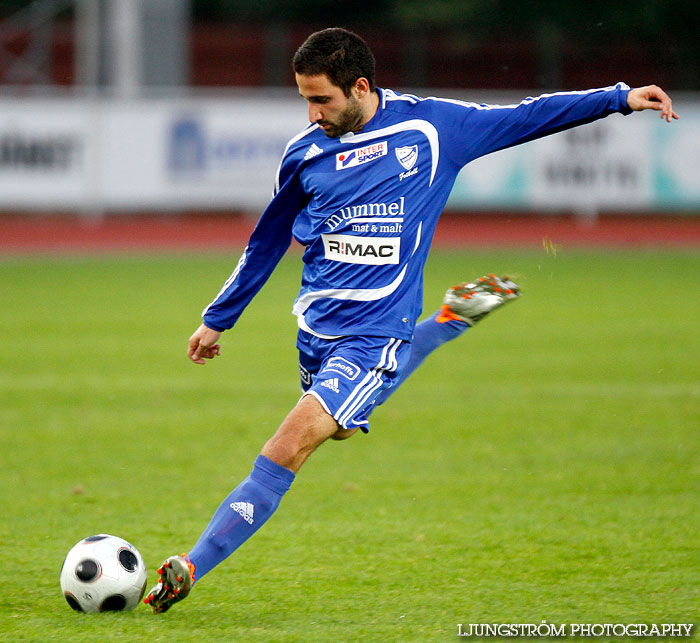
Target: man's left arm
x: 476, y: 130
x: 651, y: 97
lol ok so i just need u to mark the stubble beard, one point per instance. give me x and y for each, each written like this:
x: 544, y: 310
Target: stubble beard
x: 349, y: 120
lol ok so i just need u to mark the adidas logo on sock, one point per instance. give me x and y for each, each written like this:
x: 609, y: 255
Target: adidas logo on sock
x: 332, y: 384
x: 314, y: 150
x: 245, y: 509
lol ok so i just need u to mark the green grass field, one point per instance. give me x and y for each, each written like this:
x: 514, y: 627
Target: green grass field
x: 545, y: 466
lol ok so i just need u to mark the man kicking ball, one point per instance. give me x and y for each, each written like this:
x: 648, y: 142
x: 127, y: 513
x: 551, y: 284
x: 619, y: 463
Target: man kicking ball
x: 362, y: 188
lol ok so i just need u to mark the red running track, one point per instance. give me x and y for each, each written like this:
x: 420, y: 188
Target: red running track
x: 118, y: 233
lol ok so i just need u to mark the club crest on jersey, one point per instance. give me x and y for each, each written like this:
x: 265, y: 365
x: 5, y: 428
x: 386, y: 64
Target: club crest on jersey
x: 407, y: 155
x: 361, y: 155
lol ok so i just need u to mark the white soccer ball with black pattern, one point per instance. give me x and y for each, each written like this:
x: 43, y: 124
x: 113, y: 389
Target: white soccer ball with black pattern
x: 103, y: 573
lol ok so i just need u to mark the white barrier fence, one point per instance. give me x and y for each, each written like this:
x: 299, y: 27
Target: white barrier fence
x: 221, y: 152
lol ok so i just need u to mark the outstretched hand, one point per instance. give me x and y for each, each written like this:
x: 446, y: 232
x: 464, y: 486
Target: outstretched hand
x: 203, y: 345
x: 651, y: 97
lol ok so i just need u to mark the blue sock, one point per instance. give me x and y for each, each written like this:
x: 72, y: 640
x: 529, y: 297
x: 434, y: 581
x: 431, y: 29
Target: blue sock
x: 243, y: 512
x: 428, y: 335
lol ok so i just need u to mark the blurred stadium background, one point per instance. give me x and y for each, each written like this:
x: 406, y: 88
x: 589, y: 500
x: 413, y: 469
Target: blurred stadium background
x: 162, y: 121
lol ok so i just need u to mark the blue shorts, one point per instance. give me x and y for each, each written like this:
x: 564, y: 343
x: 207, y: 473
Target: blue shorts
x: 346, y: 375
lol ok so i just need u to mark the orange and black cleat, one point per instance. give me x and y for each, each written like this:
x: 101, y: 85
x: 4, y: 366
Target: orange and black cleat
x: 471, y: 302
x: 176, y: 579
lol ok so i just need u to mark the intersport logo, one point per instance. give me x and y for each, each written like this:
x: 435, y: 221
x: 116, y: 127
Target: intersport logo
x: 361, y: 155
x: 371, y: 251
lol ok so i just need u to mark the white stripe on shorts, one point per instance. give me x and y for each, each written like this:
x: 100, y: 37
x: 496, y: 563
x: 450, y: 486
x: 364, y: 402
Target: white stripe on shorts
x: 370, y: 383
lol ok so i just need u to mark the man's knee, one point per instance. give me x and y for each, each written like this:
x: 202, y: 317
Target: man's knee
x: 343, y: 434
x: 304, y: 429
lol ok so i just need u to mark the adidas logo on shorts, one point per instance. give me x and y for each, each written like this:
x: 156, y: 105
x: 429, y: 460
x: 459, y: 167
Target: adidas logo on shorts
x: 332, y: 384
x: 245, y: 509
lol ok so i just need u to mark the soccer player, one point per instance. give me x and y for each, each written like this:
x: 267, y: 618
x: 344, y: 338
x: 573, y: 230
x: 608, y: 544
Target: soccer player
x: 361, y: 188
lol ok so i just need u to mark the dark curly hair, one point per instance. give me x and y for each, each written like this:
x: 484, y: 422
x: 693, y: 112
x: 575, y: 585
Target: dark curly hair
x: 339, y: 54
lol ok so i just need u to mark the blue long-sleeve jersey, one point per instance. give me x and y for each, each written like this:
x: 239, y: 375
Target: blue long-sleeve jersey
x: 365, y: 205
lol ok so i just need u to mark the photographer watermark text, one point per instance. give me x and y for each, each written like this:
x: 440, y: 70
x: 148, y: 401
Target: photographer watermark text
x: 563, y: 630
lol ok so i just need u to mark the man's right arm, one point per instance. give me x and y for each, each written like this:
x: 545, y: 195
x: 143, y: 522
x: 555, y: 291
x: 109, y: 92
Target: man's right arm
x: 204, y: 345
x: 268, y: 243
